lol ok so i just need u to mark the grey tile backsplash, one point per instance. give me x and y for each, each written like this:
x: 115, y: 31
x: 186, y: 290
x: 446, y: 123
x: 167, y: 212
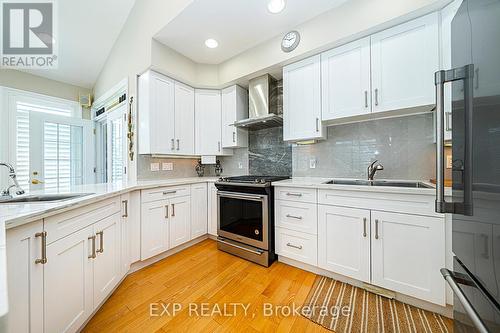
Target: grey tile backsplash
x: 404, y: 146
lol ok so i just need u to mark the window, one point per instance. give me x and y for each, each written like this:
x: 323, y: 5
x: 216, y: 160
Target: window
x: 53, y: 144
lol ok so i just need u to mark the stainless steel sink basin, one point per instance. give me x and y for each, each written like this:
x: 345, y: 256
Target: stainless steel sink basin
x: 360, y: 182
x: 43, y: 198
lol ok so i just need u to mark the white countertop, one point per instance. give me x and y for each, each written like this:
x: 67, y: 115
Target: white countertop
x: 319, y: 183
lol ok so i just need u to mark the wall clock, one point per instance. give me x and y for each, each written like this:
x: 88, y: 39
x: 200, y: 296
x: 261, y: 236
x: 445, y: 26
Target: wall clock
x: 290, y: 41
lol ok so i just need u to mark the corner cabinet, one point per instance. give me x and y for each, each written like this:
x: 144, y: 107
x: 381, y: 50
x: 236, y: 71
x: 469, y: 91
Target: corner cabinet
x: 166, y: 116
x: 403, y: 62
x: 208, y: 123
x: 234, y: 107
x: 302, y: 100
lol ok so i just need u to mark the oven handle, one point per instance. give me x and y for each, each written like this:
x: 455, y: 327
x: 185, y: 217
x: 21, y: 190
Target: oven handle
x: 258, y: 252
x: 448, y: 276
x: 243, y: 196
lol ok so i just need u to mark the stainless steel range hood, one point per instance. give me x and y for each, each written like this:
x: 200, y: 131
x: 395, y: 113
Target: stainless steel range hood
x: 263, y: 109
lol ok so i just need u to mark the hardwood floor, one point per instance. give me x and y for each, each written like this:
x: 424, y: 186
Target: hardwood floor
x: 207, y: 279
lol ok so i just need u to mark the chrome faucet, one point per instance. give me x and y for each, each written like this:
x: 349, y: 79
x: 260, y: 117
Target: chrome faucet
x: 12, y: 174
x: 372, y: 169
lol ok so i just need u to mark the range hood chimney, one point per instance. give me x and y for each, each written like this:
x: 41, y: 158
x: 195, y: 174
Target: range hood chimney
x: 263, y: 110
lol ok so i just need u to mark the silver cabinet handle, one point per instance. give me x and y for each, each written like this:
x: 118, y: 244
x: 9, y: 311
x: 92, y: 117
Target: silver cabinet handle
x: 166, y: 211
x: 93, y: 255
x: 364, y: 226
x: 448, y: 276
x: 486, y: 253
x: 125, y: 208
x: 294, y: 217
x: 376, y: 96
x: 218, y: 146
x: 43, y: 260
x: 257, y: 252
x: 366, y: 99
x: 178, y: 144
x: 173, y: 210
x: 448, y: 121
x: 376, y: 229
x: 465, y: 74
x: 234, y: 136
x: 101, y: 242
x: 299, y: 247
x: 172, y: 146
x: 294, y: 194
x: 317, y: 124
x: 169, y: 192
x: 477, y: 78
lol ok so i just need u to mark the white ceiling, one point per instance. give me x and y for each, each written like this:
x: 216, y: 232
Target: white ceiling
x: 87, y: 31
x: 237, y: 25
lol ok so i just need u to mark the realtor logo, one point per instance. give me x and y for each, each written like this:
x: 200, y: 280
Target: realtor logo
x: 28, y: 34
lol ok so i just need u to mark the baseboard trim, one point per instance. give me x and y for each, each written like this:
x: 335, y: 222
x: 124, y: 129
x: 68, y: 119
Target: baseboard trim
x: 446, y: 311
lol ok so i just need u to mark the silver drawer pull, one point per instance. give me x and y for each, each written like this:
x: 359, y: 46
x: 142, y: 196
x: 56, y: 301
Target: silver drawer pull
x: 299, y: 247
x: 43, y: 260
x: 101, y: 242
x: 294, y: 217
x: 364, y: 226
x: 376, y: 229
x: 169, y: 192
x: 294, y: 194
x: 125, y: 205
x: 93, y: 255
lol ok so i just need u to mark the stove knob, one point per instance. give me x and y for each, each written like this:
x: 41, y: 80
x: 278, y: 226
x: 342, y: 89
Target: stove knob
x: 262, y: 181
x: 256, y: 181
x: 221, y: 179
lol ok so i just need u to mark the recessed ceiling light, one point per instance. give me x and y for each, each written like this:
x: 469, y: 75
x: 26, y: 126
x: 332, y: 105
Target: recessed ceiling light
x: 276, y: 6
x: 211, y: 43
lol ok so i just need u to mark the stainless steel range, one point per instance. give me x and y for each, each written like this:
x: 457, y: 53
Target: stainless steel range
x: 246, y: 217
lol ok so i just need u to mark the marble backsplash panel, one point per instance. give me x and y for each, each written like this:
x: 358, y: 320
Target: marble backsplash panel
x: 268, y: 154
x: 404, y: 146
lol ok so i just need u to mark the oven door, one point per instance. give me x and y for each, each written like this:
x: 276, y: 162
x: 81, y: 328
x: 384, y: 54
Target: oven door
x: 243, y: 217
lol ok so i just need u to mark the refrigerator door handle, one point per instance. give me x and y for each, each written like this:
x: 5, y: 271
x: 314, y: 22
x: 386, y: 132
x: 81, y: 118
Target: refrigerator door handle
x: 465, y: 74
x: 449, y: 277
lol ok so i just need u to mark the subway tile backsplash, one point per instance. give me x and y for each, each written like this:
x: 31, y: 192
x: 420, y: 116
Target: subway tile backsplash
x: 404, y: 146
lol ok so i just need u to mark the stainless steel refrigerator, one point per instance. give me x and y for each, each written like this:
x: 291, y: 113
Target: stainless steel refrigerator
x: 475, y: 195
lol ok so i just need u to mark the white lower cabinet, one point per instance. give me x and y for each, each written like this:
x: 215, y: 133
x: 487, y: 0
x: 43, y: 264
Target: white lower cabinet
x: 212, y: 210
x: 67, y: 282
x: 408, y: 252
x: 125, y: 234
x: 154, y: 228
x: 344, y: 241
x: 297, y: 245
x: 199, y: 210
x: 180, y: 221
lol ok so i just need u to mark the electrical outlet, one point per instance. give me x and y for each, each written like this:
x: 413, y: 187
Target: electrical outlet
x: 166, y: 166
x: 312, y: 163
x: 240, y: 165
x: 155, y: 166
x: 449, y: 162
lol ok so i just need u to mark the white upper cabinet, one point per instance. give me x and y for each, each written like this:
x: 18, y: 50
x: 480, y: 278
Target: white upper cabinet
x: 302, y: 100
x: 403, y: 62
x: 234, y: 107
x: 208, y: 121
x: 345, y: 74
x: 166, y: 116
x: 184, y: 119
x: 156, y: 114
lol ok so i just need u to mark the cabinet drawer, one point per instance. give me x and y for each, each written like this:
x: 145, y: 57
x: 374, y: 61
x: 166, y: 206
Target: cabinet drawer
x: 66, y: 223
x: 297, y: 216
x: 297, y: 245
x: 161, y: 193
x: 296, y: 194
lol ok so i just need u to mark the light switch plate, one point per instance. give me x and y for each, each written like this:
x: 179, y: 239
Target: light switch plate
x: 312, y: 163
x: 240, y: 165
x: 155, y: 166
x: 167, y: 166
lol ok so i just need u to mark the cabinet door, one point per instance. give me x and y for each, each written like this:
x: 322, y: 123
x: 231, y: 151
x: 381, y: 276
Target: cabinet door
x: 208, y: 122
x: 344, y: 241
x: 345, y: 75
x: 302, y: 100
x: 404, y: 60
x: 25, y: 279
x: 212, y: 210
x: 107, y: 264
x: 125, y: 242
x: 234, y: 107
x: 199, y: 210
x: 184, y: 119
x: 154, y: 228
x: 407, y: 253
x: 180, y: 221
x: 68, y: 292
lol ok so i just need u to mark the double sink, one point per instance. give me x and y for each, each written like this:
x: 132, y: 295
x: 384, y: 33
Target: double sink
x: 391, y: 183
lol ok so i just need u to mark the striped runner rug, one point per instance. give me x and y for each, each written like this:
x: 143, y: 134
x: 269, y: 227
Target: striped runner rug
x: 341, y: 307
